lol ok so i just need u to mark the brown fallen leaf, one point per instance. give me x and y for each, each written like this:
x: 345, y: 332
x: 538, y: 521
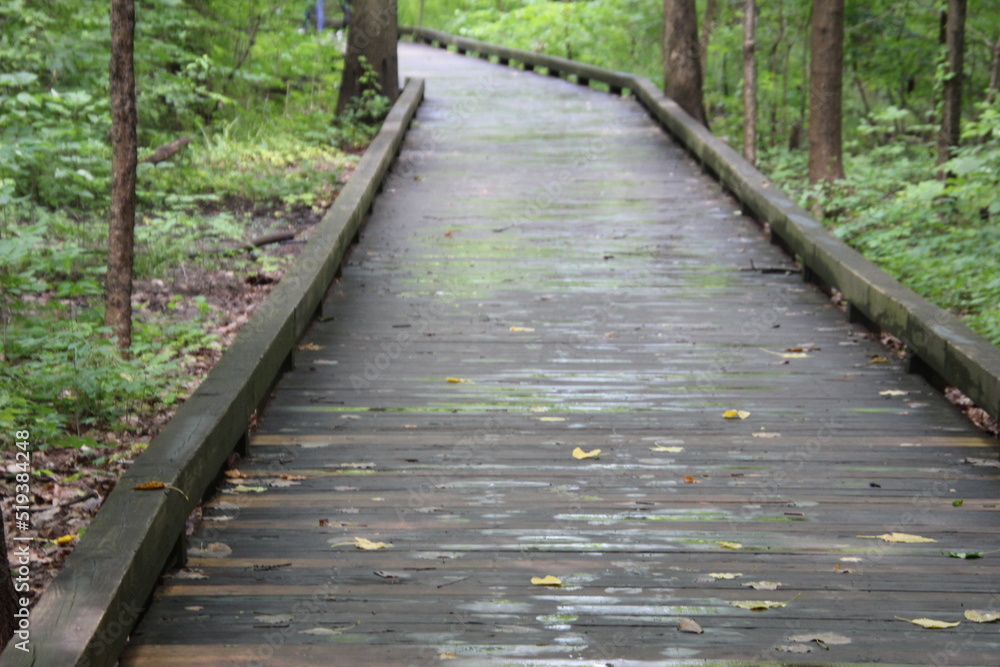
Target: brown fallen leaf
x: 688, y: 625
x: 689, y: 479
x: 153, y: 486
x: 310, y: 346
x: 823, y: 639
x: 234, y: 474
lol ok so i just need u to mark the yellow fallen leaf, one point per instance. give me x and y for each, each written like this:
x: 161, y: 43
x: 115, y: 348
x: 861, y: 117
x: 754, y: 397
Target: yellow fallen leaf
x: 546, y: 581
x: 735, y: 414
x: 930, y: 623
x: 551, y: 419
x: 64, y: 540
x: 893, y: 392
x: 879, y: 360
x: 152, y: 486
x: 457, y: 380
x: 903, y: 538
x: 310, y: 346
x: 978, y: 616
x: 671, y: 450
x: 368, y: 545
x: 521, y: 329
x: 580, y: 454
x: 448, y: 656
x: 787, y: 355
x: 725, y: 575
x: 762, y: 605
x: 729, y: 545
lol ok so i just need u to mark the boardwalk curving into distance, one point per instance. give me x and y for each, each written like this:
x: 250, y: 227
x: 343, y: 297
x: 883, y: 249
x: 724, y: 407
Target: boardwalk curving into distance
x: 547, y: 270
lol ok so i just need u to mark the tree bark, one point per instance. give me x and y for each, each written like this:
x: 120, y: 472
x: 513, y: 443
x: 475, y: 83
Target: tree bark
x: 951, y: 115
x: 8, y: 597
x: 681, y: 57
x: 750, y: 81
x: 371, y: 38
x: 124, y: 158
x: 991, y: 90
x: 826, y: 71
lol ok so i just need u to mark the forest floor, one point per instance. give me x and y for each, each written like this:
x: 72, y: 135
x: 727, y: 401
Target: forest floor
x: 70, y: 484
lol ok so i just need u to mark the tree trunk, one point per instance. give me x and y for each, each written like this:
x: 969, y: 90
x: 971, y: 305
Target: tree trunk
x: 371, y: 39
x: 951, y: 115
x: 118, y: 287
x: 711, y: 9
x: 825, y: 91
x: 991, y: 90
x: 750, y: 81
x: 681, y: 59
x: 8, y: 598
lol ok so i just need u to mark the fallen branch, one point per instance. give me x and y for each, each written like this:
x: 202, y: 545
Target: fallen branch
x: 167, y: 151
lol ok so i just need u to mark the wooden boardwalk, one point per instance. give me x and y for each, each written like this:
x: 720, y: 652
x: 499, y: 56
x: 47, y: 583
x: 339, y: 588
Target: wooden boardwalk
x: 557, y: 253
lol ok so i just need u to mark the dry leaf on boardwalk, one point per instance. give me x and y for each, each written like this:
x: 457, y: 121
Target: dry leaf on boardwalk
x: 723, y: 544
x: 580, y: 454
x: 310, y: 346
x: 458, y: 381
x: 689, y: 479
x: 725, y: 575
x: 901, y: 538
x: 688, y: 625
x: 823, y: 639
x: 787, y: 355
x: 153, y: 486
x: 979, y: 616
x: 766, y: 434
x: 364, y: 544
x: 929, y: 623
x: 763, y: 585
x: 521, y: 329
x: 762, y: 605
x: 893, y: 392
x: 242, y: 488
x: 735, y: 414
x: 663, y: 448
x: 548, y: 580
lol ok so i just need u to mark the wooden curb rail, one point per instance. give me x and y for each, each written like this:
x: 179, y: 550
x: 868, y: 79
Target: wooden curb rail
x: 85, y: 616
x: 938, y: 344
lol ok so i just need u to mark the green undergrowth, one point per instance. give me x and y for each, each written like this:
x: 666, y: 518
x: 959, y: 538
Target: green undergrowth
x: 256, y: 96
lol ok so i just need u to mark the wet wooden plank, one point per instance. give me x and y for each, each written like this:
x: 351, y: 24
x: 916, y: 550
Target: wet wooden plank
x: 645, y: 329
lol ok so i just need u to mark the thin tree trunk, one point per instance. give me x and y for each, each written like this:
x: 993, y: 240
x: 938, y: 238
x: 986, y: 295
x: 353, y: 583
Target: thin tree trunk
x: 991, y: 90
x: 371, y: 39
x: 750, y: 81
x: 681, y: 58
x: 951, y: 116
x: 711, y: 10
x: 825, y: 91
x: 124, y: 158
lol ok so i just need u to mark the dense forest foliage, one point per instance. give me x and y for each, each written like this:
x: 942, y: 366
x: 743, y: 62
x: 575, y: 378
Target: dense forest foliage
x: 254, y: 87
x: 939, y: 236
x: 251, y: 84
